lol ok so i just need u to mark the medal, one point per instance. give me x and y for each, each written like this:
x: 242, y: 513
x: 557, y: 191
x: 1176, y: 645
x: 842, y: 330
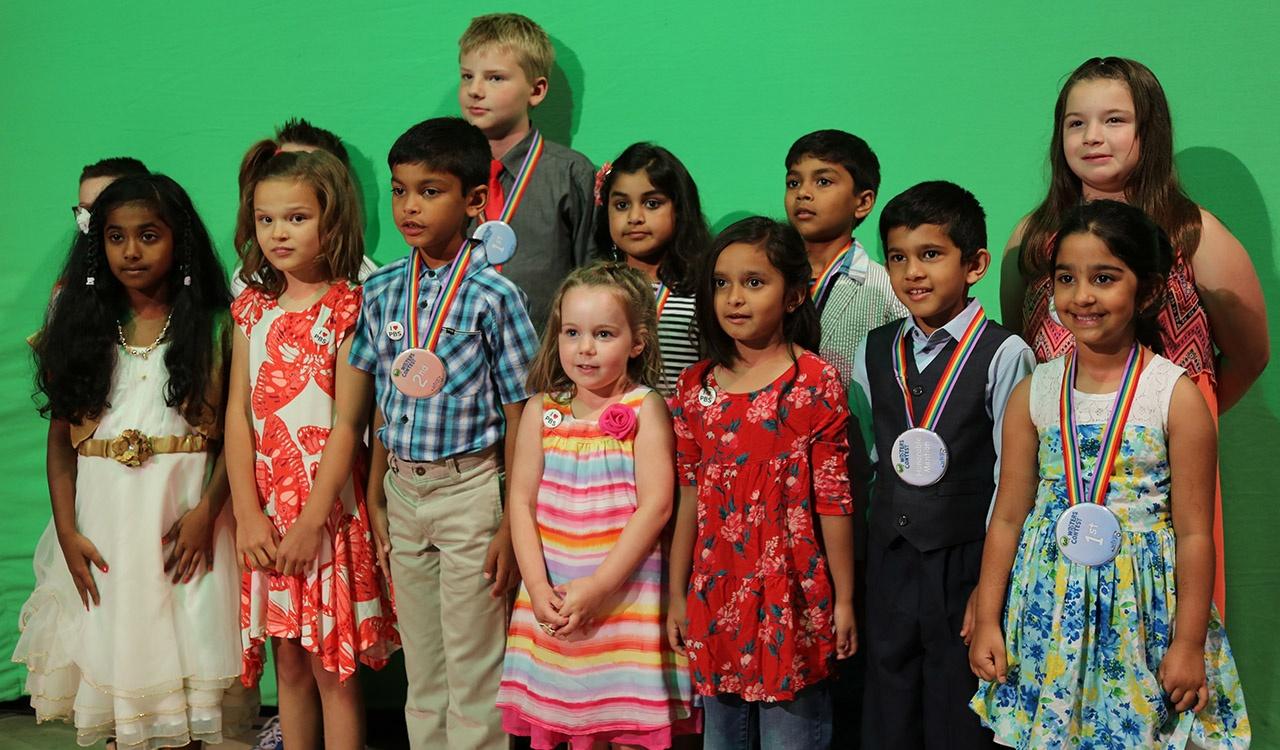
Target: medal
x: 417, y: 372
x: 920, y: 455
x: 1088, y: 532
x: 514, y: 196
x: 827, y: 279
x: 498, y: 240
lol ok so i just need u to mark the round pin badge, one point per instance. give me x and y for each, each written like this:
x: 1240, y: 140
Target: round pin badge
x: 920, y: 457
x: 552, y: 418
x: 395, y: 330
x: 417, y: 373
x: 707, y: 396
x: 322, y: 336
x: 498, y: 240
x: 1088, y: 534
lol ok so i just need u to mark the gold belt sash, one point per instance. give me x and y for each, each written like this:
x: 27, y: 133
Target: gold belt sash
x: 133, y: 448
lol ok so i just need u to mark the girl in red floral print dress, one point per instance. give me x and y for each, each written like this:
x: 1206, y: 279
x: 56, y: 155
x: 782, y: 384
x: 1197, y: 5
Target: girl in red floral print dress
x: 315, y: 555
x: 761, y: 570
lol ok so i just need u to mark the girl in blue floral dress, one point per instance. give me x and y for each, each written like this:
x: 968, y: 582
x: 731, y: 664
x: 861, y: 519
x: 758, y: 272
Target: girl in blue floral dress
x: 1108, y: 638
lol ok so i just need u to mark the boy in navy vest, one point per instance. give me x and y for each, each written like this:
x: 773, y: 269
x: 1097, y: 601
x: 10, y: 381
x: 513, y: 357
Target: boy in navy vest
x: 937, y: 383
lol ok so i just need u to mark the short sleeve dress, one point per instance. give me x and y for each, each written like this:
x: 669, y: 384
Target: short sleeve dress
x: 340, y: 609
x: 765, y: 464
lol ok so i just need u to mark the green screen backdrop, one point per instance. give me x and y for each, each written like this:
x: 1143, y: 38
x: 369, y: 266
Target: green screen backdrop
x: 960, y: 91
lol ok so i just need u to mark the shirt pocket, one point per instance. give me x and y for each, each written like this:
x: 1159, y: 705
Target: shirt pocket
x: 466, y: 367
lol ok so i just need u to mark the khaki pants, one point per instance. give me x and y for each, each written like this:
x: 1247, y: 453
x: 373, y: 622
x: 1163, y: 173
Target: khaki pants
x: 443, y: 515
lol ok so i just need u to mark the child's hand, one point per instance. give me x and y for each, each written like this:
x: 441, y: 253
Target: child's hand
x: 500, y: 563
x: 380, y: 528
x: 846, y: 631
x: 79, y: 552
x: 987, y: 657
x: 192, y: 540
x: 300, y: 546
x: 546, y: 607
x: 1181, y: 674
x: 966, y: 627
x: 677, y: 624
x: 256, y: 542
x: 582, y: 599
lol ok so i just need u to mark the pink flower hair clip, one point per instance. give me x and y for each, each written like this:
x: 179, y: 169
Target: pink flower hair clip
x: 601, y: 174
x: 618, y: 421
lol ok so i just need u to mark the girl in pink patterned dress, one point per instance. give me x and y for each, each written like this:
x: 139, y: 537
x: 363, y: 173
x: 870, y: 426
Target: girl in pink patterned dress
x: 315, y: 554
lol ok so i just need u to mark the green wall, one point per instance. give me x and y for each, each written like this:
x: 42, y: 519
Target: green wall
x: 958, y: 91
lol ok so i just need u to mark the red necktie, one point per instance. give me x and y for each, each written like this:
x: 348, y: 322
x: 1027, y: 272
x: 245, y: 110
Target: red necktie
x: 493, y: 208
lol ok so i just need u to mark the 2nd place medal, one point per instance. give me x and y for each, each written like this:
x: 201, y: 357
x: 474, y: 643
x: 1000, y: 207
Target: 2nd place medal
x: 498, y: 240
x: 920, y: 454
x: 1088, y: 532
x: 418, y: 372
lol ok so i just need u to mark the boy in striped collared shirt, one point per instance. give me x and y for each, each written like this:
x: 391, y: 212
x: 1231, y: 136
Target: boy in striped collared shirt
x: 434, y: 483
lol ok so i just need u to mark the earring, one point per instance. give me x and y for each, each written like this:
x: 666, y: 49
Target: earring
x: 91, y: 263
x: 617, y: 254
x: 186, y: 256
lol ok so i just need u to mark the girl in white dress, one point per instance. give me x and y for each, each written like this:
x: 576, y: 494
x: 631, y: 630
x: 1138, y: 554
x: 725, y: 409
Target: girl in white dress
x: 131, y: 631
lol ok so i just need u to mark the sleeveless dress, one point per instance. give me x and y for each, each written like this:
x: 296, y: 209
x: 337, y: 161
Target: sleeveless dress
x: 1084, y: 644
x: 618, y: 681
x: 155, y: 664
x: 339, y: 609
x: 1188, y: 343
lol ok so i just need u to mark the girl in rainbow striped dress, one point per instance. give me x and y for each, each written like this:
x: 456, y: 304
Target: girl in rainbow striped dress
x: 590, y: 492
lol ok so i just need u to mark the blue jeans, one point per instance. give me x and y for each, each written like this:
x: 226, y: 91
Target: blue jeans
x: 803, y: 723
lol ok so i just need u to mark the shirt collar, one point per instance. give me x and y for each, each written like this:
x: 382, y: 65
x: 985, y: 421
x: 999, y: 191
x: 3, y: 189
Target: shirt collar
x: 857, y: 263
x: 512, y: 160
x: 954, y: 328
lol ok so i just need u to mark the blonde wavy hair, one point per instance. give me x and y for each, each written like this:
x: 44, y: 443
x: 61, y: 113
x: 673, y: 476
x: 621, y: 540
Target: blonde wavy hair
x: 635, y: 293
x: 517, y: 33
x: 341, y: 227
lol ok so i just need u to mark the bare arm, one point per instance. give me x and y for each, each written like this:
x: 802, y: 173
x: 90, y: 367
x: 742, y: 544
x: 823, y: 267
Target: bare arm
x: 1019, y: 476
x: 837, y: 538
x: 523, y: 478
x: 256, y: 536
x: 1232, y: 297
x: 1013, y: 287
x: 500, y: 564
x: 655, y: 484
x: 375, y: 496
x: 1193, y: 461
x: 78, y: 551
x: 680, y: 564
x: 353, y: 389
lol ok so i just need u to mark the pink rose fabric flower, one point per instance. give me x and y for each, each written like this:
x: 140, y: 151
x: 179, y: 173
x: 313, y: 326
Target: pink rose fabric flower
x: 618, y: 421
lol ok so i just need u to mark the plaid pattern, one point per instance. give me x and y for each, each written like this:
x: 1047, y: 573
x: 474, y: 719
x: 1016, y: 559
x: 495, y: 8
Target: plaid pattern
x: 486, y: 347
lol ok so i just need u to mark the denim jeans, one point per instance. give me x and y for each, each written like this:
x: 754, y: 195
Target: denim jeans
x: 803, y: 723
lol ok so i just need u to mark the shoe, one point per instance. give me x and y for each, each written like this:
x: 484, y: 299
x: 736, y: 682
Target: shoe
x: 270, y: 738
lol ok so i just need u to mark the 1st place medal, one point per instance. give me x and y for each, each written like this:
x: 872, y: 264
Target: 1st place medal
x: 418, y: 372
x: 1088, y: 532
x: 920, y: 454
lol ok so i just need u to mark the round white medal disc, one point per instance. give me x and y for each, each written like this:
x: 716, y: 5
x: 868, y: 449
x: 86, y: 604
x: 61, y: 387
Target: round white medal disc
x: 395, y: 330
x: 919, y: 456
x: 1088, y: 534
x: 418, y: 373
x: 498, y: 240
x: 707, y: 396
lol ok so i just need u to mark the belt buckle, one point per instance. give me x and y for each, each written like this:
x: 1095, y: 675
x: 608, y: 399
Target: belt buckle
x: 131, y: 448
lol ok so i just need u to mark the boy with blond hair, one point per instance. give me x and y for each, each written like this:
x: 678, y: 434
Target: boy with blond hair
x: 542, y: 189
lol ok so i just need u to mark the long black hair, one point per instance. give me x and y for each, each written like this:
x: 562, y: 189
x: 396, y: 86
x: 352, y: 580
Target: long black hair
x: 1135, y: 238
x: 76, y: 353
x: 691, y: 237
x: 785, y: 251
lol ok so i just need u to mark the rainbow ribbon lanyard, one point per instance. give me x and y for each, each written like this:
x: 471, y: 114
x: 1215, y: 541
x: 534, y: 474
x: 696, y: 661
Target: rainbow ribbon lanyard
x: 827, y: 279
x: 662, y: 293
x: 1096, y: 491
x: 448, y: 294
x: 947, y: 383
x: 530, y: 163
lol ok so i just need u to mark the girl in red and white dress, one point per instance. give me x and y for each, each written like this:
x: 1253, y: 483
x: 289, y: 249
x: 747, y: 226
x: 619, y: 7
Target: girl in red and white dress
x: 315, y: 555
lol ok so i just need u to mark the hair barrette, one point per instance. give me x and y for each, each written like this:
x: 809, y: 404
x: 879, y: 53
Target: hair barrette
x: 603, y: 173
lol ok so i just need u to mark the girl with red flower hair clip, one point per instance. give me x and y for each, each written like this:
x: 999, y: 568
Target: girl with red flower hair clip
x: 589, y: 495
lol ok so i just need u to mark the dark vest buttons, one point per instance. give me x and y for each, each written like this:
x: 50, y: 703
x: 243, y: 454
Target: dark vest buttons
x: 903, y: 520
x: 917, y: 391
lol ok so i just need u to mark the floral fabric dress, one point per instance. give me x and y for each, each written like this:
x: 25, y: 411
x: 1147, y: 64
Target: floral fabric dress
x: 618, y: 681
x: 1084, y: 643
x: 339, y: 609
x: 765, y: 463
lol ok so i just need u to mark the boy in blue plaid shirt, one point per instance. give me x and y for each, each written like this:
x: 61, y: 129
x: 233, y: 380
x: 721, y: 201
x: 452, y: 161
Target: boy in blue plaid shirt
x: 444, y: 410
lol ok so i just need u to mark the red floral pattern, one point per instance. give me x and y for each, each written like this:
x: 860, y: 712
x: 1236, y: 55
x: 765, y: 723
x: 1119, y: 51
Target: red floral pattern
x: 760, y: 600
x: 340, y: 609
